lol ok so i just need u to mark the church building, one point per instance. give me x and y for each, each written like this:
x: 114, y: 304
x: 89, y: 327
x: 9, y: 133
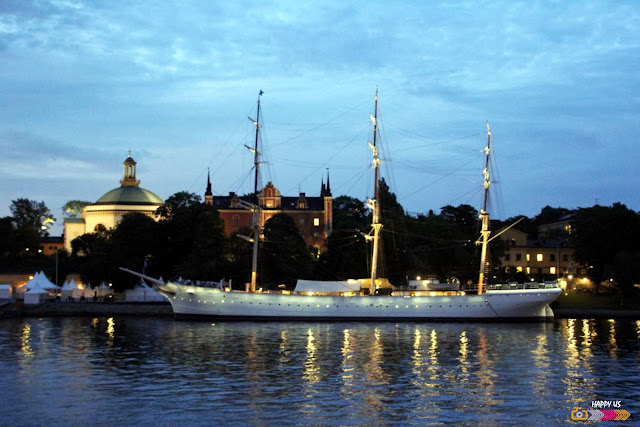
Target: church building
x: 108, y: 211
x: 312, y: 214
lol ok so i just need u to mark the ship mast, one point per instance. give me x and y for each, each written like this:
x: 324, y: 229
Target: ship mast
x: 256, y: 205
x: 484, y: 216
x: 374, y: 203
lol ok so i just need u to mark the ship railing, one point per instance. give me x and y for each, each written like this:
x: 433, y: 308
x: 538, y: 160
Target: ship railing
x: 516, y: 286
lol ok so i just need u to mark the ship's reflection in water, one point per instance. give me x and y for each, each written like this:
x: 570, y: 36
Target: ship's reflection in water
x: 158, y: 370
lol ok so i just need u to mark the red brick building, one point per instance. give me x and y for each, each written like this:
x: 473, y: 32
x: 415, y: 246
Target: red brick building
x: 312, y: 214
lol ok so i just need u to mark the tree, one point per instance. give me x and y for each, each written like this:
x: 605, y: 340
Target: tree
x: 395, y: 260
x: 132, y: 241
x: 465, y: 215
x: 31, y: 220
x: 607, y: 240
x: 73, y: 208
x: 7, y: 237
x: 179, y: 203
x: 549, y: 214
x: 193, y: 239
x: 91, y: 254
x: 284, y: 257
x: 443, y: 245
x: 346, y: 255
x: 238, y: 257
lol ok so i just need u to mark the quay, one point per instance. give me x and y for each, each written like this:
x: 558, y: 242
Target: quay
x: 9, y: 308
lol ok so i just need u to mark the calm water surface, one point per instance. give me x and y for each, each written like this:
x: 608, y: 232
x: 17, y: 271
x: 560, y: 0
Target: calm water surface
x: 143, y: 371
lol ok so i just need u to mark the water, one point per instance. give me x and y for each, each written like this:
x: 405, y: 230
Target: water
x: 156, y: 371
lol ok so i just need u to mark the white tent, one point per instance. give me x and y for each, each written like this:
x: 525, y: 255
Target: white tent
x: 36, y: 294
x: 70, y: 289
x: 5, y: 291
x: 45, y: 282
x: 143, y: 292
x: 103, y: 290
x: 320, y: 286
x: 41, y: 280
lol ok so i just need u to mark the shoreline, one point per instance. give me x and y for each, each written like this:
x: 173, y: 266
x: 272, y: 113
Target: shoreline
x: 576, y: 313
x: 86, y: 308
x: 9, y: 309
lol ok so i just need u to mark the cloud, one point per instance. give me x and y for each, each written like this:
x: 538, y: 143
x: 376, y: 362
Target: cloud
x: 83, y: 82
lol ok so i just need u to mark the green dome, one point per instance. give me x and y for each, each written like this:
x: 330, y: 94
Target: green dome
x: 130, y: 196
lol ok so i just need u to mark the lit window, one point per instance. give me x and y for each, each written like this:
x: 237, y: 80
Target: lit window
x: 528, y: 257
x: 528, y: 270
x: 519, y: 269
x: 316, y: 221
x: 539, y: 257
x: 269, y: 203
x: 552, y: 270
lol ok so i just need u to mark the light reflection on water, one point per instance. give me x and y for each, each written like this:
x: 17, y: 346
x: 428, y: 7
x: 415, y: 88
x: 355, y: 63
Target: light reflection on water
x: 131, y: 371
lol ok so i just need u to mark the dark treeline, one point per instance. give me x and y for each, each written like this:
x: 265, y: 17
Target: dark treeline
x: 189, y: 241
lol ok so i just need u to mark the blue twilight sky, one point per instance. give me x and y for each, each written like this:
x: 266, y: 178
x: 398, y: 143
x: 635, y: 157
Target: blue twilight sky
x: 83, y: 82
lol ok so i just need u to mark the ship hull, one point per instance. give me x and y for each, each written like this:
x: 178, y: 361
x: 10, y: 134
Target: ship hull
x: 190, y: 302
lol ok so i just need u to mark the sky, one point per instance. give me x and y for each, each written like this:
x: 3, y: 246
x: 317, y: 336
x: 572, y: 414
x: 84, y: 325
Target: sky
x: 84, y: 82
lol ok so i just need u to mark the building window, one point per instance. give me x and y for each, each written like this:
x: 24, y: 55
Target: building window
x: 552, y: 270
x: 539, y: 257
x: 565, y: 257
x: 316, y: 222
x: 528, y: 257
x: 528, y: 270
x: 236, y: 220
x: 552, y: 257
x: 512, y: 242
x: 519, y: 269
x: 518, y: 257
x: 301, y: 220
x: 100, y: 227
x: 269, y: 203
x: 507, y: 257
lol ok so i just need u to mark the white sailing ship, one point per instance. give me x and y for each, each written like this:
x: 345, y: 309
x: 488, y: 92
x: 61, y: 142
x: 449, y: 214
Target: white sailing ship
x: 358, y: 300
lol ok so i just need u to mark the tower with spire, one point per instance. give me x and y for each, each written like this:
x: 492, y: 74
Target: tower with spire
x: 328, y: 206
x: 208, y: 195
x: 129, y: 175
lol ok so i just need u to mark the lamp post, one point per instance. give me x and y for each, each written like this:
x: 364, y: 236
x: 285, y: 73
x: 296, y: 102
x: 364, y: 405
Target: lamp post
x: 56, y: 267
